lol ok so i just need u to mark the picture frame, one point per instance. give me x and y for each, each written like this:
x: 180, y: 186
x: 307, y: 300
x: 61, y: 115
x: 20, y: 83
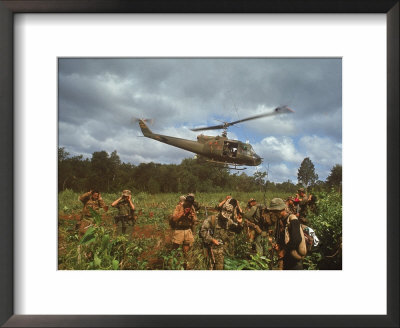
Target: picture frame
x: 9, y: 8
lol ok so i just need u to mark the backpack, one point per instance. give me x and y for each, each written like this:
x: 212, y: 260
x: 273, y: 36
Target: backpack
x: 171, y: 222
x: 301, y: 250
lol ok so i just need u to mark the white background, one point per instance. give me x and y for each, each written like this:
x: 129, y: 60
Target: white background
x: 360, y: 288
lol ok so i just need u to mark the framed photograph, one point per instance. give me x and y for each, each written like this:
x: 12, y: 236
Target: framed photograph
x: 51, y: 47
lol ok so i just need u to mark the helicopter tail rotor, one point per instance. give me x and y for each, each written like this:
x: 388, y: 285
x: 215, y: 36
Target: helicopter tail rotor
x: 135, y: 120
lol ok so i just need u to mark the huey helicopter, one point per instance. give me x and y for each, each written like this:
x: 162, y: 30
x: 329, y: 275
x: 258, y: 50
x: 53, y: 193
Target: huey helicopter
x: 217, y: 149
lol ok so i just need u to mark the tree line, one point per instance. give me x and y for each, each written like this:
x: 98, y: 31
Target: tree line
x: 107, y: 173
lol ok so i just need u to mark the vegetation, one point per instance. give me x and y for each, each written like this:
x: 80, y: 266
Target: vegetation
x: 306, y: 173
x: 149, y: 247
x: 107, y: 173
x: 156, y: 189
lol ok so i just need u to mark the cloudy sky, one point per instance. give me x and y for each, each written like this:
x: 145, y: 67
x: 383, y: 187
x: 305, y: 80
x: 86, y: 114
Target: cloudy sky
x: 98, y: 98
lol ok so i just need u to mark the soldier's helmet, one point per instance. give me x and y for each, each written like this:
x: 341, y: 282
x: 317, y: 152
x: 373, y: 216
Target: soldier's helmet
x: 182, y: 198
x: 276, y: 204
x: 251, y: 200
x: 301, y: 190
x: 126, y: 193
x: 227, y: 210
x: 191, y: 195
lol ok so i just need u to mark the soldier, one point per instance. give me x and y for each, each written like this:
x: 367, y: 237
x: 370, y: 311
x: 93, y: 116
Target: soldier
x: 125, y: 218
x: 303, y: 200
x: 184, y: 218
x: 215, y: 232
x: 291, y: 206
x: 288, y: 235
x: 91, y: 201
x: 237, y: 213
x: 254, y: 220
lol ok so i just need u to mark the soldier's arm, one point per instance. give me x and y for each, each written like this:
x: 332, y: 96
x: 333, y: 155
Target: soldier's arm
x: 102, y: 204
x: 223, y: 202
x: 85, y: 197
x: 235, y: 227
x: 304, y: 200
x: 115, y: 202
x: 249, y: 214
x: 194, y: 216
x: 178, y: 212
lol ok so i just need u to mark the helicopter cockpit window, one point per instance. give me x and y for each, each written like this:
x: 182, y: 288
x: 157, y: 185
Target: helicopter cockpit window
x: 230, y: 149
x: 247, y: 150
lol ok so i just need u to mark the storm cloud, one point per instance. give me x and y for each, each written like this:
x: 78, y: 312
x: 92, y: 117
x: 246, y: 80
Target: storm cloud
x: 99, y: 96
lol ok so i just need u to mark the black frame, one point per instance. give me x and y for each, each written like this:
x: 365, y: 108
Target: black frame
x: 7, y: 10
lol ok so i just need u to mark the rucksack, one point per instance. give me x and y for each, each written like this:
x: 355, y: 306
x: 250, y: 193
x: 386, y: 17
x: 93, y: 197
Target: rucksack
x: 301, y: 250
x: 171, y: 222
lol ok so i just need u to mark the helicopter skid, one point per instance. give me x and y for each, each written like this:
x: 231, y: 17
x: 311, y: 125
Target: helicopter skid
x: 227, y: 165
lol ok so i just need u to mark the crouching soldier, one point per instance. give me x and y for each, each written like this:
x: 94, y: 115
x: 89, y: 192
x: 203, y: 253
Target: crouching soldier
x: 215, y: 232
x: 125, y: 220
x: 91, y: 201
x: 184, y: 218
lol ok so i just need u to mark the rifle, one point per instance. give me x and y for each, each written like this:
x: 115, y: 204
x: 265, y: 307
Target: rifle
x: 253, y: 226
x: 124, y: 219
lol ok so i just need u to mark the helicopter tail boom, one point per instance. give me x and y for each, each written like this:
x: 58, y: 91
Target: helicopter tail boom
x: 145, y: 129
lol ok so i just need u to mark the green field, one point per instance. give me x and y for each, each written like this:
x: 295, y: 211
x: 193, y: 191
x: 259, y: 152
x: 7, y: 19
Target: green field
x: 149, y: 246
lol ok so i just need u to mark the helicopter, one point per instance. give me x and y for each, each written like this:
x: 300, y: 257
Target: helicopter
x: 217, y: 149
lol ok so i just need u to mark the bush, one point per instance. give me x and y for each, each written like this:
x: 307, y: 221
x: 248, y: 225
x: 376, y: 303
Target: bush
x: 327, y: 223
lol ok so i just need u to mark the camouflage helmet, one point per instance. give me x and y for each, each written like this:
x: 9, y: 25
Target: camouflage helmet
x: 251, y: 200
x: 182, y: 198
x: 227, y: 211
x: 126, y: 193
x: 276, y: 204
x: 191, y: 194
x: 301, y: 190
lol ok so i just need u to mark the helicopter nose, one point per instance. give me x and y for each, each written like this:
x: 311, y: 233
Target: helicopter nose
x: 257, y: 159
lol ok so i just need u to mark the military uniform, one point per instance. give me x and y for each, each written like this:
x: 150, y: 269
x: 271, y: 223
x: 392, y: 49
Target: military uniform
x: 287, y: 236
x: 302, y: 209
x: 219, y: 228
x: 184, y: 219
x: 90, y: 203
x: 253, y: 215
x: 292, y: 208
x: 124, y: 220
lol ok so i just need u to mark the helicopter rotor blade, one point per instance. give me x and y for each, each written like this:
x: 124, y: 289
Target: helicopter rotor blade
x: 277, y: 111
x: 215, y: 127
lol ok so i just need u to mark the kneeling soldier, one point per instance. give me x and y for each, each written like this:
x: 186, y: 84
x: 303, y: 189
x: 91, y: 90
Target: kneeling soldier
x: 125, y: 217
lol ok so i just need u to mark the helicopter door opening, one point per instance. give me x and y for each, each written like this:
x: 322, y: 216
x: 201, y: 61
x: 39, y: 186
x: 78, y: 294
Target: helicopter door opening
x: 230, y: 149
